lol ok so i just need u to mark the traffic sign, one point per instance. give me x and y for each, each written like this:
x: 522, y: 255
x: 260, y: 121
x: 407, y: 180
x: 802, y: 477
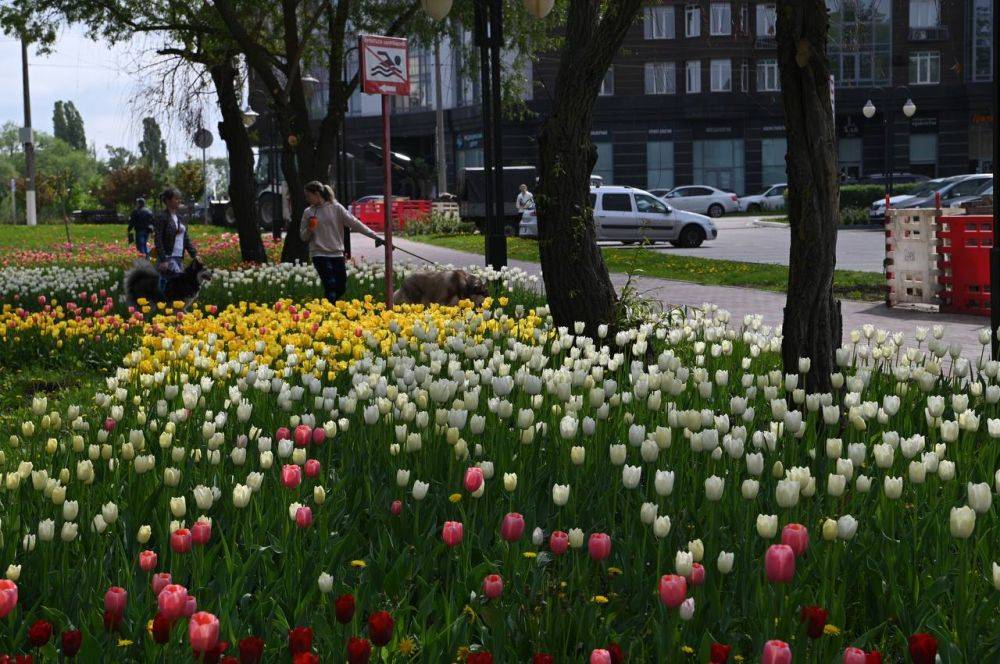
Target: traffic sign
x: 203, y: 138
x: 385, y: 67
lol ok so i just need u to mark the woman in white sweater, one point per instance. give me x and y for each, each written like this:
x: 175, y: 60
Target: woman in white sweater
x: 322, y: 226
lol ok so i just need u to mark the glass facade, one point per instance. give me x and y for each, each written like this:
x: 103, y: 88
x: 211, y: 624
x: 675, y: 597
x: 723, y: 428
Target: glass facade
x: 722, y: 75
x: 772, y: 161
x: 981, y: 37
x: 860, y: 42
x: 767, y: 76
x: 659, y: 165
x: 693, y: 71
x: 605, y: 166
x: 660, y: 78
x: 849, y: 156
x: 722, y: 19
x: 923, y: 154
x: 925, y: 68
x: 719, y: 163
x: 658, y: 23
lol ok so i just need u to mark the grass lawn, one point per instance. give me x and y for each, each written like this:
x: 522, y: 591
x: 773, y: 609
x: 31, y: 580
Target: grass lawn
x: 848, y: 284
x: 45, y: 235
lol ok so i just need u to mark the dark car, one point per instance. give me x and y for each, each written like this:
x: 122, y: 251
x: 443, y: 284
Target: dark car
x: 897, y: 178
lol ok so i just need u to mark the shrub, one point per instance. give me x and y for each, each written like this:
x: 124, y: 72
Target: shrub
x: 862, y: 195
x: 437, y: 224
x: 854, y: 215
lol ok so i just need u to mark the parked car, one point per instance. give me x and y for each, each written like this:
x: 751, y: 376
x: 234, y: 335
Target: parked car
x: 897, y: 178
x: 952, y: 188
x: 772, y: 198
x: 703, y: 200
x: 959, y: 200
x: 629, y: 215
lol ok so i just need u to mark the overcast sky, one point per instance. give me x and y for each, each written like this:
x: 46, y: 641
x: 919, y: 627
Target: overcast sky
x: 100, y: 80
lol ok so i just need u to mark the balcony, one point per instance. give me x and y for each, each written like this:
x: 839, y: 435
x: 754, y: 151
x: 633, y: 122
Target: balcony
x: 765, y: 42
x: 929, y: 34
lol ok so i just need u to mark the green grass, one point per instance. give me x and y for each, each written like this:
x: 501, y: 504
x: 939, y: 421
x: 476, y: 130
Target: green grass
x: 849, y: 284
x: 44, y: 236
x: 18, y: 385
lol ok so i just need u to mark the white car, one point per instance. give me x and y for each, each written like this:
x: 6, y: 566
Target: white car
x: 772, y: 198
x: 703, y: 200
x: 629, y: 215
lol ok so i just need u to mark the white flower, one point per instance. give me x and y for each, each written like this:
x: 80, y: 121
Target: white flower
x: 575, y: 538
x: 962, y: 521
x: 70, y: 510
x: 402, y: 477
x: 510, y: 482
x: 687, y: 609
x: 617, y: 453
x: 750, y: 488
x: 683, y: 562
x: 560, y: 494
x: 325, y: 583
x: 835, y: 485
x: 917, y: 472
x: 996, y: 576
x: 419, y: 490
x: 203, y: 497
x: 647, y: 513
x: 725, y: 562
x: 631, y: 476
x: 69, y: 531
x: 767, y: 525
x: 577, y: 455
x: 14, y: 572
x: 109, y: 511
x: 714, y: 487
x: 663, y: 482
x: 178, y: 506
x: 755, y: 463
x: 787, y: 493
x: 946, y: 470
x: 980, y: 498
x: 697, y: 549
x: 661, y: 526
x: 847, y: 525
x: 893, y: 487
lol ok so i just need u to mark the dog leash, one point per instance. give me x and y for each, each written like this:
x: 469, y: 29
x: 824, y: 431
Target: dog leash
x: 406, y: 251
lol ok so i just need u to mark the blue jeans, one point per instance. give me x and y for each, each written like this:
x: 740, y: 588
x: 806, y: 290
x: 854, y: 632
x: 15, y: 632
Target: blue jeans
x: 332, y: 271
x: 142, y: 241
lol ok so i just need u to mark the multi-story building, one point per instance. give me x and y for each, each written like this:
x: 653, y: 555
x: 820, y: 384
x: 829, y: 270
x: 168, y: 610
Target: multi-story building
x: 693, y: 96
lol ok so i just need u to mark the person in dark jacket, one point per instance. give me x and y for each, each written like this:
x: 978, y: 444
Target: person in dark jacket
x: 141, y: 224
x: 170, y: 235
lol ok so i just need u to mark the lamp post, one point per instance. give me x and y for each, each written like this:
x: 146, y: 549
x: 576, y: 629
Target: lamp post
x: 995, y: 250
x: 909, y: 108
x: 489, y: 39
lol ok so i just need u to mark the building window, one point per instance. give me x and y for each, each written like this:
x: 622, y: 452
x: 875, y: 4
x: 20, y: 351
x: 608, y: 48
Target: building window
x: 421, y: 82
x: 982, y: 32
x: 468, y: 150
x: 467, y: 81
x: 608, y: 84
x: 925, y: 68
x: 772, y: 161
x: 744, y: 26
x: 722, y: 75
x: 744, y: 77
x: 692, y: 21
x: 719, y: 163
x: 923, y: 154
x: 693, y: 71
x: 860, y: 42
x: 661, y: 78
x: 660, y: 165
x: 767, y: 20
x: 767, y: 76
x: 849, y: 156
x: 925, y: 13
x: 658, y: 23
x: 722, y: 19
x: 605, y: 166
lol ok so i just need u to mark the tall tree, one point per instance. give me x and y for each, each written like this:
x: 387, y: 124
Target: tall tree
x: 119, y: 158
x: 152, y: 147
x: 75, y: 134
x: 812, y: 320
x: 59, y: 128
x: 577, y: 284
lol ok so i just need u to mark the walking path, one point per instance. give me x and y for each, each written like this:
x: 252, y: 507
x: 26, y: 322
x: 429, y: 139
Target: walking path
x: 738, y: 301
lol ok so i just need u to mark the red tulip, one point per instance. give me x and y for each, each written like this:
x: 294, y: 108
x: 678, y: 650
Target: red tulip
x: 776, y: 652
x: 600, y: 656
x: 473, y: 479
x: 479, y: 657
x: 214, y: 654
x: 201, y: 532
x: 109, y: 424
x: 282, y: 433
x: 312, y: 468
x: 542, y: 658
x: 190, y: 606
x: 344, y: 608
x: 203, y: 631
x: 452, y: 533
x: 599, y: 546
x: 300, y: 640
x: 115, y: 600
x: 923, y: 648
x: 147, y: 561
x: 161, y: 629
x: 303, y: 434
x: 718, y: 653
x: 160, y: 581
x: 558, y: 542
x: 492, y: 586
x: 305, y: 658
x: 380, y: 628
x: 112, y: 621
x: 512, y: 527
x: 39, y: 633
x: 673, y: 590
x: 697, y: 575
x: 8, y: 597
x: 874, y: 657
x: 180, y: 540
x: 70, y: 642
x: 396, y: 508
x: 815, y: 619
x: 304, y: 517
x: 796, y: 536
x: 779, y: 563
x: 617, y: 656
x: 318, y: 436
x: 251, y: 650
x: 291, y: 475
x: 359, y: 650
x: 171, y: 601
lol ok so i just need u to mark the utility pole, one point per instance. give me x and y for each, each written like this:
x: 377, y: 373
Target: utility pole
x: 28, y: 140
x: 442, y: 171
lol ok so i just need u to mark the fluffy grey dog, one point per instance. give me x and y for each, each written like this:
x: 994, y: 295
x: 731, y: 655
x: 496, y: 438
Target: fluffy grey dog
x: 447, y: 287
x: 143, y: 281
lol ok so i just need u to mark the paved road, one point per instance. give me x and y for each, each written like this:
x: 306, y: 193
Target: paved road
x: 741, y: 240
x: 738, y: 301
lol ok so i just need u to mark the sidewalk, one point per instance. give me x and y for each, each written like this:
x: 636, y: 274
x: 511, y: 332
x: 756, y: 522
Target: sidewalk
x: 738, y: 301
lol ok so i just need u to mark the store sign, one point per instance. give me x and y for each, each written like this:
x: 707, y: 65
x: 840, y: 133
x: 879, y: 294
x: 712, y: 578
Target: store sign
x: 599, y: 132
x: 982, y: 118
x: 385, y: 67
x: 773, y: 129
x: 661, y: 132
x: 469, y: 141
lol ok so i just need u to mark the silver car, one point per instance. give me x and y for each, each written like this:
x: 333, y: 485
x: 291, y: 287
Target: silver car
x: 772, y: 198
x: 703, y: 200
x: 925, y: 195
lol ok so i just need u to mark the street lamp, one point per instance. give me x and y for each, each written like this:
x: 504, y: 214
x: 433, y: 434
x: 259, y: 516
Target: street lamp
x: 489, y: 39
x: 868, y: 110
x: 249, y: 117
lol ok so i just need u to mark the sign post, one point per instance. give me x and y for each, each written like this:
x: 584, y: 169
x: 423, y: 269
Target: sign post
x: 385, y: 70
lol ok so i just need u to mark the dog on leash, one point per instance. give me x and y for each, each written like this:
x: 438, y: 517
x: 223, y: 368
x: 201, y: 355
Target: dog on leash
x: 447, y: 288
x: 144, y: 281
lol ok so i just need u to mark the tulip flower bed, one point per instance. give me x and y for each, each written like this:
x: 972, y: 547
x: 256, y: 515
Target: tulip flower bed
x: 298, y: 481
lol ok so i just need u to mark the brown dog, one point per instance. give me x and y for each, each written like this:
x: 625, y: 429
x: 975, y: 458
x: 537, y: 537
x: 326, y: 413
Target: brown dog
x: 447, y: 288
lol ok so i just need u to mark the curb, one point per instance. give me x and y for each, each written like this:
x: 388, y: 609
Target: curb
x: 757, y: 223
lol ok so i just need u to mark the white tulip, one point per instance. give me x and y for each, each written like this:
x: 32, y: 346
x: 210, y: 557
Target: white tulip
x: 980, y: 498
x: 725, y: 562
x: 46, y: 530
x: 325, y: 583
x: 714, y: 487
x: 962, y: 521
x: 767, y: 525
x: 835, y: 485
x: 419, y: 489
x: 749, y: 488
x: 663, y: 482
x: 560, y: 494
x: 683, y: 563
x: 647, y: 513
x: 575, y: 538
x: 402, y: 477
x: 661, y: 527
x: 617, y: 453
x: 686, y: 610
x: 847, y: 525
x: 241, y: 496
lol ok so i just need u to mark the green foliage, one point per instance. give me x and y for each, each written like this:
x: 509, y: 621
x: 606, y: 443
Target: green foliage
x: 436, y: 223
x: 67, y: 124
x: 189, y: 178
x: 152, y: 147
x: 122, y: 186
x: 119, y: 157
x: 852, y: 216
x: 862, y: 195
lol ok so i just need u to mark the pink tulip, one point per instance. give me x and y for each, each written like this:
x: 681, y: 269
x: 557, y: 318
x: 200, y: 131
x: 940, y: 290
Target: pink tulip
x: 303, y: 517
x: 673, y: 590
x: 697, y: 576
x: 109, y: 424
x: 303, y: 434
x: 190, y: 606
x: 171, y: 601
x: 291, y: 475
x: 8, y: 597
x: 473, y: 479
x: 115, y: 600
x: 558, y: 542
x: 282, y: 433
x: 312, y: 468
x: 147, y: 561
x: 201, y: 532
x: 599, y: 546
x: 600, y: 656
x: 492, y: 586
x: 396, y: 508
x: 512, y: 527
x: 779, y: 563
x: 855, y: 656
x: 180, y: 540
x: 452, y: 533
x: 318, y: 436
x: 796, y: 536
x: 776, y: 652
x: 160, y: 581
x: 203, y: 630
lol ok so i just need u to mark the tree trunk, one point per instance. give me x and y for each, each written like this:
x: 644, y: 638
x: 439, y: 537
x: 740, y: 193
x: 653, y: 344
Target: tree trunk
x: 812, y: 321
x: 577, y: 284
x: 242, y: 186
